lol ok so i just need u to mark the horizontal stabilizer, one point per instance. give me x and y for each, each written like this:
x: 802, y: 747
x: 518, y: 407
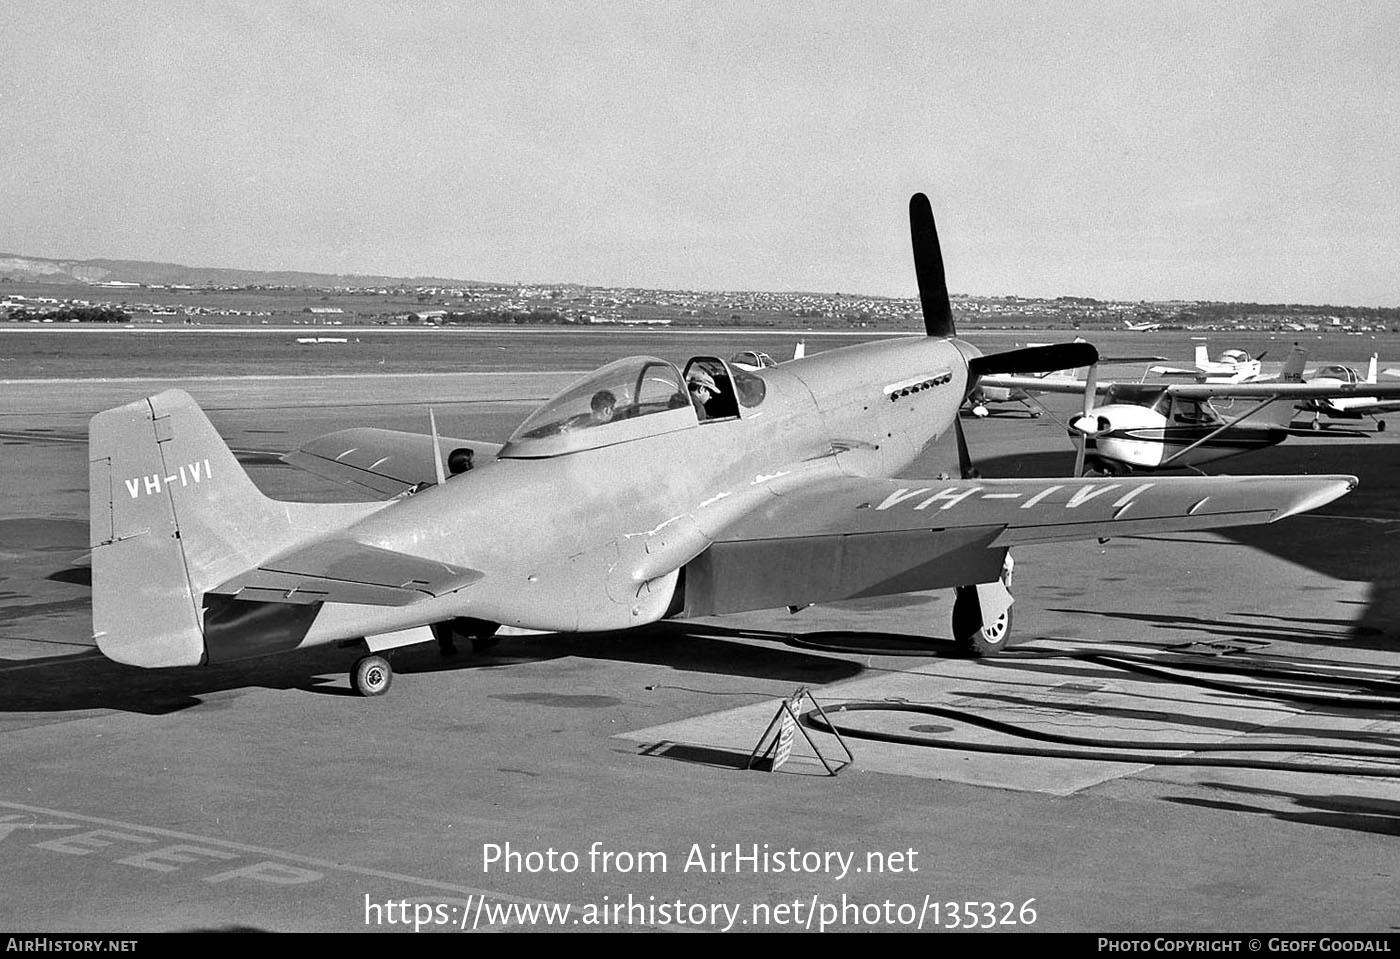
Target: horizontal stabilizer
x: 385, y: 462
x: 344, y: 571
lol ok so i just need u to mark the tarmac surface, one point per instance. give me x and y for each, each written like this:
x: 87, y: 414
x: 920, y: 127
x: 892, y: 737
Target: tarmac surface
x: 1195, y: 732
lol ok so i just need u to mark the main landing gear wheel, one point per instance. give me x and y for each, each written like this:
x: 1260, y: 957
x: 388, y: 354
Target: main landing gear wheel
x: 1380, y: 426
x: 371, y: 676
x: 970, y: 634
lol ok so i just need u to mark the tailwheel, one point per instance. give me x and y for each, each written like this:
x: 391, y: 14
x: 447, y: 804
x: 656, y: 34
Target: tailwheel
x: 371, y: 676
x: 970, y: 633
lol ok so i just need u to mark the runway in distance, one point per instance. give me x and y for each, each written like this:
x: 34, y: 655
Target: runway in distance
x: 641, y: 492
x: 1158, y: 426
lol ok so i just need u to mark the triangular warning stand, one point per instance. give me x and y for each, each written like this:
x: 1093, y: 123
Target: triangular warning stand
x: 775, y: 745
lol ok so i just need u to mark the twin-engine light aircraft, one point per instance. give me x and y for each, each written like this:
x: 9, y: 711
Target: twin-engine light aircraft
x: 641, y: 492
x: 1160, y: 426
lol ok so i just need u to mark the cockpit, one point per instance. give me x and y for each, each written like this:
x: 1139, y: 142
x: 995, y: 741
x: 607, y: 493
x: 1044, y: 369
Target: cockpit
x: 1342, y: 374
x: 1138, y: 394
x: 1175, y: 409
x: 630, y: 399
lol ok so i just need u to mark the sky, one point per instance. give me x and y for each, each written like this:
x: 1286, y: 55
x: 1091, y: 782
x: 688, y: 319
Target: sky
x: 1169, y: 150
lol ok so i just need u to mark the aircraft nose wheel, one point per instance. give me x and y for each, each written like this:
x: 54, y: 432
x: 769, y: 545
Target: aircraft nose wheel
x: 371, y: 676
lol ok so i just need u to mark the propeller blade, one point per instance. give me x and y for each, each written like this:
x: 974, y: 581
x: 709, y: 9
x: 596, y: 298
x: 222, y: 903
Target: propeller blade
x: 965, y: 469
x: 1091, y: 382
x: 1082, y: 440
x: 928, y: 267
x: 1034, y: 359
x: 437, y: 449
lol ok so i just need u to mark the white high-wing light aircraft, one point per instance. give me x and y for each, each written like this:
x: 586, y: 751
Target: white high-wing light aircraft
x: 1157, y: 426
x: 1234, y: 366
x: 636, y: 494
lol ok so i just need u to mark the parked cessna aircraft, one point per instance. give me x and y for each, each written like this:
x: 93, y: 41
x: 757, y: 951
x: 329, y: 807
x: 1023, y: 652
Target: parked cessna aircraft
x: 619, y: 502
x: 1157, y: 426
x: 1344, y: 406
x: 1234, y: 366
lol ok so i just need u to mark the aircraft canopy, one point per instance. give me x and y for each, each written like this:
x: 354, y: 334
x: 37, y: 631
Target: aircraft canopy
x: 625, y: 400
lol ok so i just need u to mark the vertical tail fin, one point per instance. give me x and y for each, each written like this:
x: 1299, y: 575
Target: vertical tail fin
x: 1293, y: 368
x: 1280, y: 412
x: 1202, y: 354
x: 172, y: 514
x: 1371, y: 370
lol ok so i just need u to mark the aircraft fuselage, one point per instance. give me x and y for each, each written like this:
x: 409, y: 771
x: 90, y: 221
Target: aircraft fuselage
x: 594, y: 539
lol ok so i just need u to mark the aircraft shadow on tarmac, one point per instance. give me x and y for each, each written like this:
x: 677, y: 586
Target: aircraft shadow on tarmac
x: 1355, y: 813
x: 90, y: 681
x: 1172, y: 714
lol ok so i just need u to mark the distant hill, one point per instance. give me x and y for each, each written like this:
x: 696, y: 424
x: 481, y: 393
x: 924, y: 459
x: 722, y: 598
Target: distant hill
x: 36, y: 269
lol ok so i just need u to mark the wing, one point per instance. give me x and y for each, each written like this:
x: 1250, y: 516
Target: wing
x: 386, y: 462
x: 1284, y: 390
x: 848, y: 537
x: 1209, y: 390
x: 1036, y: 384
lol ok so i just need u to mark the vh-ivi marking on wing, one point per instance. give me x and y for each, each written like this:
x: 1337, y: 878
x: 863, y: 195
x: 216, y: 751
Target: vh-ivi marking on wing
x: 627, y: 498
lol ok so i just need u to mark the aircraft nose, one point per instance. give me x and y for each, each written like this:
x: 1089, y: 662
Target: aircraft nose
x: 1090, y: 425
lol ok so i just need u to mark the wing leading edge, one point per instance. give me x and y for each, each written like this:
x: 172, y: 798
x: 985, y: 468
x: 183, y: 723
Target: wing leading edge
x: 847, y: 538
x: 1203, y: 391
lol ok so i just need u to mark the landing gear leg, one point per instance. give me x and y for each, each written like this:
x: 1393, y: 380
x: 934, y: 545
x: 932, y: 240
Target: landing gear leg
x: 443, y: 633
x: 481, y: 633
x: 982, y: 615
x: 371, y: 676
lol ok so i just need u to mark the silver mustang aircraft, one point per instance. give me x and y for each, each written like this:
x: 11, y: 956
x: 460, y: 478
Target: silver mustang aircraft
x: 641, y: 492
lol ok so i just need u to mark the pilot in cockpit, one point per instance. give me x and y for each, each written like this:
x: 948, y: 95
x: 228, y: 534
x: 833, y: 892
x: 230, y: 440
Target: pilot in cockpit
x: 602, y: 408
x: 702, y: 392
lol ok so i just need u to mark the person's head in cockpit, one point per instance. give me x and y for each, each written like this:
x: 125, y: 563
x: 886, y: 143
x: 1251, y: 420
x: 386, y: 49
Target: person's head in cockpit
x: 603, y: 407
x: 702, y: 390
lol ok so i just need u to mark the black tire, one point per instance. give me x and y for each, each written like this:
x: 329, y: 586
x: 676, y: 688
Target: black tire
x: 970, y: 634
x: 1380, y: 426
x: 371, y: 676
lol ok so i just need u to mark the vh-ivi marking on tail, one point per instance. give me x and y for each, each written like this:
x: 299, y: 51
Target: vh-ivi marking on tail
x: 188, y: 474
